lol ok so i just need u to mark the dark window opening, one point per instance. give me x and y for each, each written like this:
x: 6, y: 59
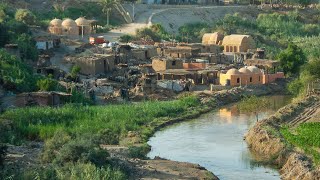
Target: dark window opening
x: 250, y: 79
x: 238, y: 80
x: 173, y: 63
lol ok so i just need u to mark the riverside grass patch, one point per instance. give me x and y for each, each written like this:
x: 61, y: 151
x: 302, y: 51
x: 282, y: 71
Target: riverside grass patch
x: 40, y: 123
x: 307, y: 137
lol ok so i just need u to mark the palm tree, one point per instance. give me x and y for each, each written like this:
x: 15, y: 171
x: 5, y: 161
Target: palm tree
x: 107, y: 7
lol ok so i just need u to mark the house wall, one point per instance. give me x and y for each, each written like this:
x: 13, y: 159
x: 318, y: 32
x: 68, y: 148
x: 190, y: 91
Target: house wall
x: 152, y: 52
x: 91, y: 66
x: 269, y: 78
x: 162, y: 65
x: 210, y: 49
x: 140, y: 55
x: 194, y: 65
x: 244, y: 79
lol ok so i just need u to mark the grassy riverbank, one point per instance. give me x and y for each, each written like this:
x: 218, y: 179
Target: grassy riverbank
x: 40, y: 123
x: 73, y: 133
x: 290, y: 139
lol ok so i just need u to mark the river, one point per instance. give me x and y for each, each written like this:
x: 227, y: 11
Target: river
x: 215, y: 141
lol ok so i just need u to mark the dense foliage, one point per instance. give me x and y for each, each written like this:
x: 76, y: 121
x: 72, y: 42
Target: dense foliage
x: 14, y: 74
x: 272, y: 31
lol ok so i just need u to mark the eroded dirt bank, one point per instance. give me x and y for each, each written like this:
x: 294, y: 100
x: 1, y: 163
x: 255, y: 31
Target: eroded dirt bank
x: 266, y: 141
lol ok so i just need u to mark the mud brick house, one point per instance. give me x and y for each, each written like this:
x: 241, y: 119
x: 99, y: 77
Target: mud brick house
x: 162, y: 64
x: 99, y: 64
x: 47, y: 42
x: 248, y: 76
x: 179, y: 51
x: 238, y: 43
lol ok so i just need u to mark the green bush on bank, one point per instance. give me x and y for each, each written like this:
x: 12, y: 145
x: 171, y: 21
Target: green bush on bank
x: 307, y: 137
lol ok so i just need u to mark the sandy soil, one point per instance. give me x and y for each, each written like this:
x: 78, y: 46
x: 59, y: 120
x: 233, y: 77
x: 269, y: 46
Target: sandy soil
x: 173, y: 17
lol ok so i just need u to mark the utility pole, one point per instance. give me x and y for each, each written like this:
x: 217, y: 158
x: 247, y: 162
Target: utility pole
x: 133, y: 11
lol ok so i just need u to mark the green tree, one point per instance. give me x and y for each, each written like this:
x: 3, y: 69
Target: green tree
x: 291, y: 59
x: 27, y: 47
x: 25, y: 16
x: 15, y: 74
x: 253, y: 104
x: 107, y: 6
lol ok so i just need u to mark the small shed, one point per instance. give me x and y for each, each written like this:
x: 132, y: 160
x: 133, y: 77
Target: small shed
x: 238, y: 43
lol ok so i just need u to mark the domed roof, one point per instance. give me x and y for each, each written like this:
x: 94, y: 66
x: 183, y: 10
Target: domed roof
x: 233, y: 71
x: 81, y: 21
x: 69, y: 22
x: 254, y: 69
x: 245, y: 70
x: 56, y: 22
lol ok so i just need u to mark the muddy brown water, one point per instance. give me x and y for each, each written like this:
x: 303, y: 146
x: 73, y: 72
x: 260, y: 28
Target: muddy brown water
x: 215, y: 141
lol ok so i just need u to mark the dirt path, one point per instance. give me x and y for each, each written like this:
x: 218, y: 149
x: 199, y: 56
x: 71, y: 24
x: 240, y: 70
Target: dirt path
x: 173, y: 17
x: 306, y: 115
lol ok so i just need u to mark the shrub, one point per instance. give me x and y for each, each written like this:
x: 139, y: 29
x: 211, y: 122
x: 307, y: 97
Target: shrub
x: 139, y: 151
x: 47, y: 84
x: 15, y: 74
x: 25, y: 16
x: 148, y: 34
x: 89, y: 171
x: 62, y: 148
x: 54, y: 144
x: 75, y: 71
x: 125, y: 38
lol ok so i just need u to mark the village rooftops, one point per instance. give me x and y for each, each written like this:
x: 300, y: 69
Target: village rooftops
x: 177, y: 72
x: 261, y: 62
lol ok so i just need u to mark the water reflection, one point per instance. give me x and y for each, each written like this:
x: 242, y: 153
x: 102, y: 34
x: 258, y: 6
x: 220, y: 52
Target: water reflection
x: 215, y: 141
